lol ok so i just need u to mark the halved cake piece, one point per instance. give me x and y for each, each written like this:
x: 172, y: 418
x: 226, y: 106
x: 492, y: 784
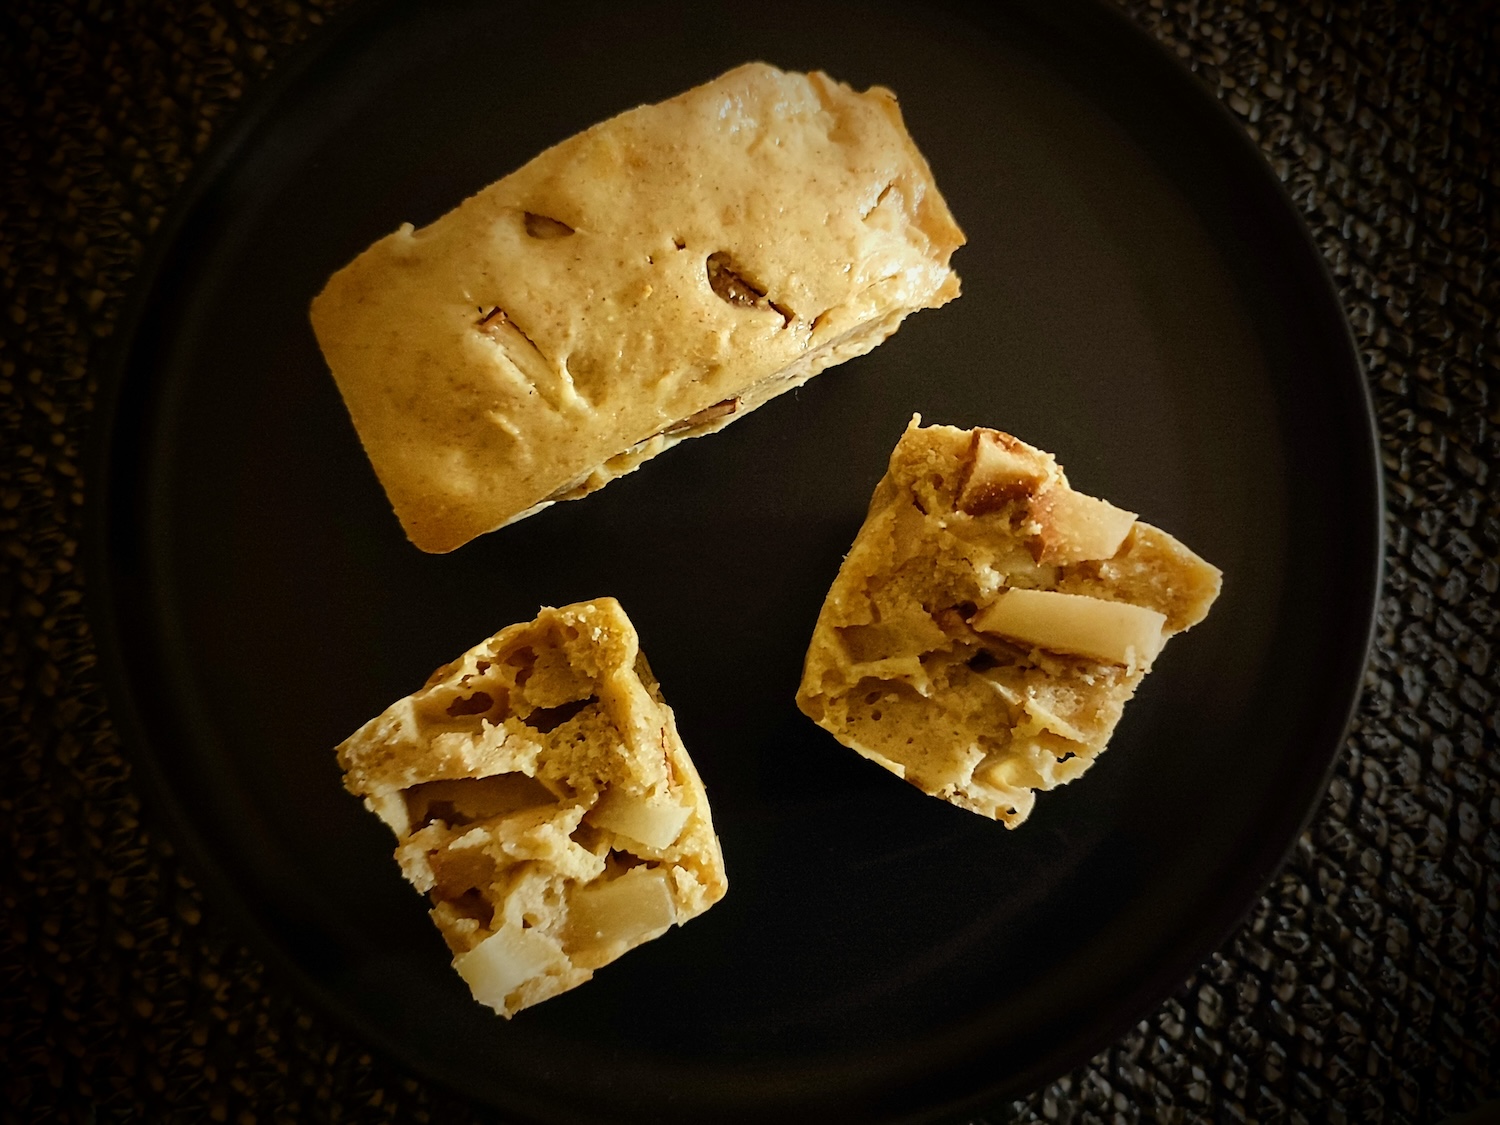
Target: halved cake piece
x: 990, y: 622
x: 650, y: 279
x: 543, y: 800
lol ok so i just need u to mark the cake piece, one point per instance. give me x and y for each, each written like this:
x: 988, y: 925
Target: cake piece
x: 648, y: 280
x: 990, y: 622
x: 542, y: 799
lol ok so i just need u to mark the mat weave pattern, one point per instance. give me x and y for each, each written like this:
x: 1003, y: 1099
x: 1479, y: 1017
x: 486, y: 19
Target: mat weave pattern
x: 1365, y: 985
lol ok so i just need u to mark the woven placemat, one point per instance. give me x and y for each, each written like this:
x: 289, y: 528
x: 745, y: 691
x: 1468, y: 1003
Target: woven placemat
x: 1365, y: 985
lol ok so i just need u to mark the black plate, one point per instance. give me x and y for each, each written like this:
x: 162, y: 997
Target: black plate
x: 1139, y: 298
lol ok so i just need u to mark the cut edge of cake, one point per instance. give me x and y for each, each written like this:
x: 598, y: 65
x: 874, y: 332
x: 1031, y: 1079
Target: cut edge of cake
x: 990, y: 622
x: 542, y: 798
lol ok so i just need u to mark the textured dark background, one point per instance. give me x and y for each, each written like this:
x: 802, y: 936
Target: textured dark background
x: 1365, y: 985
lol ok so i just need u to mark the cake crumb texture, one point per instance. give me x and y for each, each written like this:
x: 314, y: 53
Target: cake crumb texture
x: 543, y: 801
x: 990, y: 622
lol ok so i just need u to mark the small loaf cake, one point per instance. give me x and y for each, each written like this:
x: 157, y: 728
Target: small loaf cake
x: 650, y: 279
x: 541, y: 797
x: 990, y: 622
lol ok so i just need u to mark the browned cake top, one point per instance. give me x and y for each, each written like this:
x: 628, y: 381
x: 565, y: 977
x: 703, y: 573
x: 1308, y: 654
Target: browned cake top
x: 542, y: 798
x: 635, y: 283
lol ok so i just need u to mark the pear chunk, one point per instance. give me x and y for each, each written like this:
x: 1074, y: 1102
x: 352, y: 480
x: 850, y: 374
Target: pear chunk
x: 1115, y: 632
x: 654, y: 823
x: 511, y: 957
x: 1001, y: 469
x: 605, y: 919
x: 1073, y: 527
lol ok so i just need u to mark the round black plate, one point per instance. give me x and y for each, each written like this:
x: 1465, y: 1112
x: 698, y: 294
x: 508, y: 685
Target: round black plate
x: 1139, y: 298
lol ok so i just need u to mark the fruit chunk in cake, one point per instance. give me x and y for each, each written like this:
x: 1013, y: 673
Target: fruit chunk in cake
x: 543, y: 800
x: 990, y: 622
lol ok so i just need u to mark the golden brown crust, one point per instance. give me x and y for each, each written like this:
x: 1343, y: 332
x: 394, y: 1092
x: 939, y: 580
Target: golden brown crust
x: 990, y: 622
x: 569, y: 321
x: 525, y: 782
